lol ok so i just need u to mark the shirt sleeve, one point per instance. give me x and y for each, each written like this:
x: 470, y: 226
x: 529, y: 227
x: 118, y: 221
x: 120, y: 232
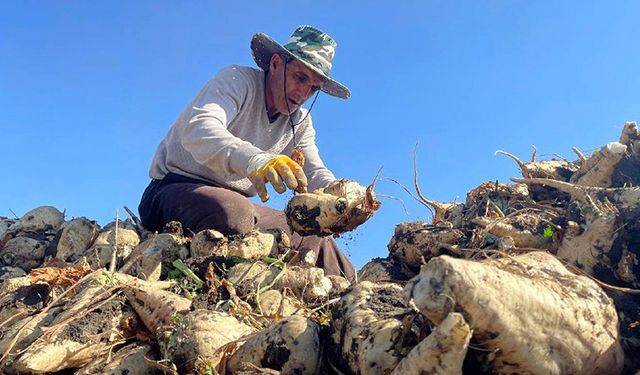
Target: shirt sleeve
x: 206, y: 136
x: 318, y: 175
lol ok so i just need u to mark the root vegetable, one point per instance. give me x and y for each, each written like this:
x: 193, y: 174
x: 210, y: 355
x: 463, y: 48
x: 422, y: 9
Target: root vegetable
x: 126, y: 240
x: 208, y: 242
x: 87, y: 293
x: 384, y: 269
x: 194, y: 339
x: 588, y: 247
x: 127, y: 360
x: 525, y: 230
x: 447, y: 212
x: 622, y: 197
x: 132, y: 281
x: 100, y: 253
x: 254, y: 245
x: 40, y: 219
x: 249, y: 277
x: 630, y: 133
x: 283, y: 243
x: 336, y: 209
x: 291, y: 346
x: 24, y: 252
x: 602, y: 239
x: 275, y: 305
x: 495, y: 200
x: 310, y: 283
x: 156, y: 308
x: 415, y: 243
x: 5, y: 223
x: 57, y: 356
x: 26, y: 300
x: 338, y: 284
x: 132, y: 260
x: 442, y: 352
x: 150, y: 265
x: 76, y: 237
x: 368, y: 335
x: 303, y: 258
x: 77, y: 342
x: 158, y: 258
x: 598, y: 169
x: 28, y: 335
x: 8, y: 272
x: 555, y: 169
x: 127, y: 224
x: 551, y: 321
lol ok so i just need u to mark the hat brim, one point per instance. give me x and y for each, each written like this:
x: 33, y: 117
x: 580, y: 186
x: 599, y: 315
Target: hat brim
x: 263, y: 47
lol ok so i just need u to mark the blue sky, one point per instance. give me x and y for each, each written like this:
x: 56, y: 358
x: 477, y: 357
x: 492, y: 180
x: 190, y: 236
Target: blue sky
x: 88, y: 90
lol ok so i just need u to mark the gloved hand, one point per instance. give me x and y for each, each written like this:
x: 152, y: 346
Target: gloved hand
x: 279, y: 170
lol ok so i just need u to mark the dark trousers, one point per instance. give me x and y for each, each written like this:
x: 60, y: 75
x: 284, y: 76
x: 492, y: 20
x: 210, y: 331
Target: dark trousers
x: 199, y: 205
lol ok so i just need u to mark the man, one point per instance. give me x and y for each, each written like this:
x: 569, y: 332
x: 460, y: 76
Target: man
x: 234, y: 137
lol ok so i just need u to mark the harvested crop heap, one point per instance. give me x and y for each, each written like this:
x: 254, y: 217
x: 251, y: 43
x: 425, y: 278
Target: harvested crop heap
x: 535, y: 277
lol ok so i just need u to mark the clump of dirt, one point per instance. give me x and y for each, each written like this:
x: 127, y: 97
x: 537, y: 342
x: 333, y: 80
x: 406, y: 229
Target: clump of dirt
x: 97, y: 323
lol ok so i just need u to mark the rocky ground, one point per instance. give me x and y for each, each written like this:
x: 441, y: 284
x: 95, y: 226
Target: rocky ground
x: 536, y: 277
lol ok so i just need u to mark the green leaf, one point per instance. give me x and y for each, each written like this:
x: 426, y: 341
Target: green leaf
x: 209, y: 369
x: 178, y: 264
x: 548, y: 231
x: 175, y: 318
x: 109, y: 279
x: 275, y: 261
x: 325, y: 319
x: 269, y: 260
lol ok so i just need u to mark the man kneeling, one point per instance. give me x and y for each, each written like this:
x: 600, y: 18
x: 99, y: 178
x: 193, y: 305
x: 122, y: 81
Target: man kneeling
x: 233, y: 138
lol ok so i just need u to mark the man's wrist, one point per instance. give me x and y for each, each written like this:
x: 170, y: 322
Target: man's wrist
x: 258, y: 160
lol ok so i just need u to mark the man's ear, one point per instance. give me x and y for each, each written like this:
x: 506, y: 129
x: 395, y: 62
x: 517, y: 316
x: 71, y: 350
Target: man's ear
x: 275, y: 63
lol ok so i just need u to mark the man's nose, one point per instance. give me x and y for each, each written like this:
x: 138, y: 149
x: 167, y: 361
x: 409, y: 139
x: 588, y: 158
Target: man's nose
x: 307, y: 91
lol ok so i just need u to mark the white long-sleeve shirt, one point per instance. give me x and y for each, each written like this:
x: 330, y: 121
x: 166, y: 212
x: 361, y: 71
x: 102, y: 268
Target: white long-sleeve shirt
x: 225, y: 125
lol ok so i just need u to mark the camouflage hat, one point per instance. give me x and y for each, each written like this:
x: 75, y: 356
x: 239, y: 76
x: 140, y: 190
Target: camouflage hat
x: 308, y: 45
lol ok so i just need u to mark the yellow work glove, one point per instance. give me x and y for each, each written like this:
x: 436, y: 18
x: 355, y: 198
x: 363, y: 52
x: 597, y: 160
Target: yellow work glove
x: 279, y: 170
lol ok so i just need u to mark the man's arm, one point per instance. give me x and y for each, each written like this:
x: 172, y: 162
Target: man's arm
x: 205, y: 135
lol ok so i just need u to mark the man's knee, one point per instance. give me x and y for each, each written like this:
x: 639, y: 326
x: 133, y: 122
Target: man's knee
x: 224, y: 210
x: 198, y: 207
x: 236, y: 218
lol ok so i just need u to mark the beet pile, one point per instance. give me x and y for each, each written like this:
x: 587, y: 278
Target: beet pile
x: 536, y: 277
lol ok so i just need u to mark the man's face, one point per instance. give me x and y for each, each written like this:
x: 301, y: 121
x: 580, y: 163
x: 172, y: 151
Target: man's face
x: 301, y: 84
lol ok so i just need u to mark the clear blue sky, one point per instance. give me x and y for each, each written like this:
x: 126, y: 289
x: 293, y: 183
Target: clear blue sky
x: 89, y: 88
